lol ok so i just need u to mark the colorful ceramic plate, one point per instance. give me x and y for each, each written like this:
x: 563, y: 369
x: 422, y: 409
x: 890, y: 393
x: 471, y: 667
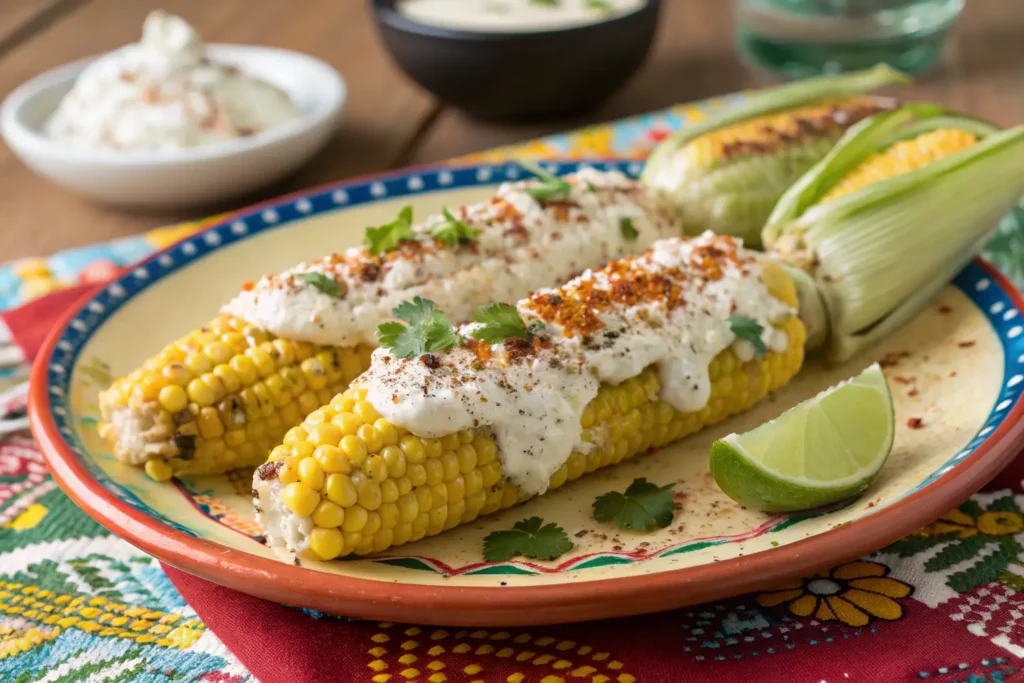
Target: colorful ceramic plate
x: 957, y: 367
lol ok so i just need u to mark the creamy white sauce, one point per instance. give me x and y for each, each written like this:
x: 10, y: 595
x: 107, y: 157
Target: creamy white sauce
x: 515, y: 16
x: 162, y: 93
x: 510, y: 257
x: 533, y: 406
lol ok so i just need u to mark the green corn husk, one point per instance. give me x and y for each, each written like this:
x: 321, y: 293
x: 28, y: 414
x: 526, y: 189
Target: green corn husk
x: 880, y: 253
x: 735, y: 195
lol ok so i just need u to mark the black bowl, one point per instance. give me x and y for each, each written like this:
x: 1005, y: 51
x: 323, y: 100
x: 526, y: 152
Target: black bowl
x: 519, y: 76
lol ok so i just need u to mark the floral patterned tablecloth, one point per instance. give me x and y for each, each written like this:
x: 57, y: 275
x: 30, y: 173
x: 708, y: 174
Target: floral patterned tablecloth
x: 78, y: 604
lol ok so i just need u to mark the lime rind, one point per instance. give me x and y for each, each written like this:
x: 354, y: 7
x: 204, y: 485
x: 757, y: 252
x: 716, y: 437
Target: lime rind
x: 772, y: 482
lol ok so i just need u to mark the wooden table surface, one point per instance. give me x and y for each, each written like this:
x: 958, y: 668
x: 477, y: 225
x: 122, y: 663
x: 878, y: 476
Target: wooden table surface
x: 388, y: 121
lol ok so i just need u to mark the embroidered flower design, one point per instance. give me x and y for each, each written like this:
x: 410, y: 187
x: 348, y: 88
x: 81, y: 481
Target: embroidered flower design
x: 852, y: 593
x: 990, y: 522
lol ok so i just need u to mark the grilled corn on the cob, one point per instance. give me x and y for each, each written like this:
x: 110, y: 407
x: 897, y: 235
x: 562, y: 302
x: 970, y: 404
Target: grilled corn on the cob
x: 905, y: 198
x: 726, y: 173
x: 225, y: 394
x: 636, y: 355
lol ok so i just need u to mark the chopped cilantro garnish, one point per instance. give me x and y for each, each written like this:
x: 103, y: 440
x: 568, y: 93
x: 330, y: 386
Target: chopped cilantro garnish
x: 545, y: 3
x: 749, y: 330
x: 498, y: 322
x: 551, y: 186
x: 386, y: 237
x: 536, y: 326
x: 601, y: 6
x: 428, y: 329
x: 629, y: 232
x: 642, y: 507
x: 452, y: 231
x: 320, y: 281
x: 529, y: 539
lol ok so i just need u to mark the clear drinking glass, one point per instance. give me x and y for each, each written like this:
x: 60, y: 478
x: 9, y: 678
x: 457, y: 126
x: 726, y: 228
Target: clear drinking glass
x: 805, y: 37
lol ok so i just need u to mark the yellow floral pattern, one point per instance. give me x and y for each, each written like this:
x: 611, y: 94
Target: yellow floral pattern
x: 852, y: 593
x: 990, y: 522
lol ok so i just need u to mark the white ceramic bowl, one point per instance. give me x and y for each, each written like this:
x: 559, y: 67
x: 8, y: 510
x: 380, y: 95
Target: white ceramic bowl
x: 189, y: 176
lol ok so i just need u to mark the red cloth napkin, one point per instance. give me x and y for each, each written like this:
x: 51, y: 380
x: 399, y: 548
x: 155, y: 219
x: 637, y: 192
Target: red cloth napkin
x: 975, y: 636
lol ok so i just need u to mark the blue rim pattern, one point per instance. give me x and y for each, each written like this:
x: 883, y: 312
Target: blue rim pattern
x: 995, y: 302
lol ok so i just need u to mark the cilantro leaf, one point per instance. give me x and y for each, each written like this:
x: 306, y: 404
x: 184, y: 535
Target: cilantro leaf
x: 529, y: 539
x: 545, y: 3
x: 642, y: 507
x: 452, y: 231
x: 428, y: 329
x: 601, y: 6
x: 498, y: 323
x: 749, y: 330
x: 325, y: 284
x: 629, y: 232
x: 551, y: 186
x: 386, y: 237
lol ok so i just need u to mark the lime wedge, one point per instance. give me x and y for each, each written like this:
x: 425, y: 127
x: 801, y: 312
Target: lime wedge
x: 826, y: 449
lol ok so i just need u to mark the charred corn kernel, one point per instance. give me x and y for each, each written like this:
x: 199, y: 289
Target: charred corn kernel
x: 328, y: 514
x: 391, y: 499
x: 173, y: 399
x: 300, y: 499
x: 326, y: 543
x: 227, y: 382
x: 311, y: 474
x: 904, y: 157
x: 158, y: 470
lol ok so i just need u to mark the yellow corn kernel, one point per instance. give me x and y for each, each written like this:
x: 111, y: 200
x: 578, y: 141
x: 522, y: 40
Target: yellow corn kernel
x: 328, y: 514
x: 355, y: 449
x: 340, y: 489
x: 326, y: 543
x: 201, y: 393
x: 371, y: 438
x: 332, y: 459
x: 158, y: 470
x: 903, y: 157
x: 395, y: 461
x: 311, y: 474
x: 300, y: 499
x: 173, y: 398
x: 355, y: 518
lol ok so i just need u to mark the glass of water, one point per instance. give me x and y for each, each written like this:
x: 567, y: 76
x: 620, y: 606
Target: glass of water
x: 805, y: 37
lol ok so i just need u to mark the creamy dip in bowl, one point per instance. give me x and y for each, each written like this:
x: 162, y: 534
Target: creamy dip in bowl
x: 508, y: 16
x: 174, y: 133
x: 515, y: 60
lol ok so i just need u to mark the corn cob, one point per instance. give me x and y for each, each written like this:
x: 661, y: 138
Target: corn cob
x: 348, y: 480
x: 221, y: 397
x: 726, y: 173
x: 224, y: 395
x: 917, y: 181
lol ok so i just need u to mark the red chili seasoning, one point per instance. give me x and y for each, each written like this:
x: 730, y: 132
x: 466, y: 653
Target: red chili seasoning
x: 915, y: 423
